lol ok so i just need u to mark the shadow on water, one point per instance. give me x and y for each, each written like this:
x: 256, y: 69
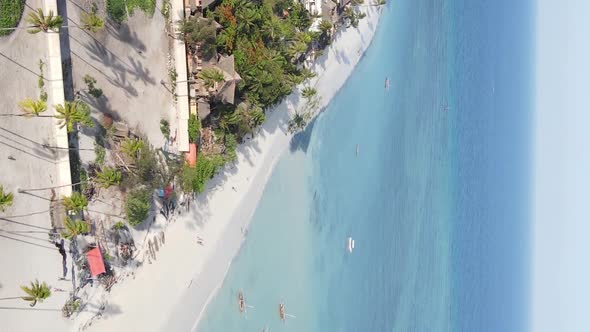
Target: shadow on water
x: 300, y: 141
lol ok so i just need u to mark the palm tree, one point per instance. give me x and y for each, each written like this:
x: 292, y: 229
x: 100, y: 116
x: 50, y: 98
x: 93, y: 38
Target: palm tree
x: 211, y: 76
x: 309, y: 92
x: 74, y: 228
x: 32, y: 107
x: 92, y: 22
x: 6, y: 199
x: 39, y: 22
x: 296, y: 49
x: 36, y: 293
x: 75, y: 203
x: 73, y: 113
x: 108, y: 176
x: 257, y: 117
x: 326, y: 27
x: 131, y: 147
x: 306, y: 74
x: 298, y: 122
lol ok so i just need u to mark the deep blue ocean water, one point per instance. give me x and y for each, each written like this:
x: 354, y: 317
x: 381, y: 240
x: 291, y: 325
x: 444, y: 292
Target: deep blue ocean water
x: 437, y: 199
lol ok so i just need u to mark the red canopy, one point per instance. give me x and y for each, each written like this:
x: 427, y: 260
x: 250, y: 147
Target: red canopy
x: 95, y: 261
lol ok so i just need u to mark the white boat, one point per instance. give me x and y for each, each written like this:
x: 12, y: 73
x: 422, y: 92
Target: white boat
x: 350, y: 244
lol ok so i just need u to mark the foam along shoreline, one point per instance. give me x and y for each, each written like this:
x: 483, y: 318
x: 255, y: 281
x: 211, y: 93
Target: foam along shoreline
x: 172, y: 293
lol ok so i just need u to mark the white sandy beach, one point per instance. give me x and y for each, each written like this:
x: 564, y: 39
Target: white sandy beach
x: 172, y: 293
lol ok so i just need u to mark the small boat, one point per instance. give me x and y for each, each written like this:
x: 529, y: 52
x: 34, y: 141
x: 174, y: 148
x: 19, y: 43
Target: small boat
x: 350, y: 244
x: 387, y: 83
x: 357, y: 149
x: 282, y: 311
x: 241, y: 302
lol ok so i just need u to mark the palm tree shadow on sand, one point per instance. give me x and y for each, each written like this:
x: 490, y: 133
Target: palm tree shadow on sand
x: 300, y: 141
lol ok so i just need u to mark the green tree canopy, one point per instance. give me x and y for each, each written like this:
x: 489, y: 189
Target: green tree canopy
x: 75, y: 203
x: 200, y: 31
x: 137, y: 206
x: 211, y: 76
x: 108, y: 176
x: 91, y: 21
x: 41, y: 22
x: 36, y: 292
x: 72, y: 114
x: 32, y: 107
x: 6, y: 199
x: 74, y: 228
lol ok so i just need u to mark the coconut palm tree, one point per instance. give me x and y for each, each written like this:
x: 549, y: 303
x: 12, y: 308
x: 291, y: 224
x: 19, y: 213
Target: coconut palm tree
x: 74, y: 228
x: 108, y: 176
x: 72, y: 114
x: 296, y: 48
x: 298, y: 122
x: 31, y: 107
x: 211, y: 77
x: 75, y: 203
x: 41, y: 22
x: 257, y: 117
x: 6, y: 199
x: 326, y: 26
x: 36, y: 293
x: 92, y: 22
x: 309, y: 92
x: 131, y: 147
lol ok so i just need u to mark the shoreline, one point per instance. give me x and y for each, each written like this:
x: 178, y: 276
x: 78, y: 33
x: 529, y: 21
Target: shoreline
x: 174, y: 291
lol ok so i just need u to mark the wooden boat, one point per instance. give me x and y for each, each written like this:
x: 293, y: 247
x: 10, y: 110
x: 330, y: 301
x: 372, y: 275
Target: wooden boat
x: 241, y: 302
x: 282, y: 311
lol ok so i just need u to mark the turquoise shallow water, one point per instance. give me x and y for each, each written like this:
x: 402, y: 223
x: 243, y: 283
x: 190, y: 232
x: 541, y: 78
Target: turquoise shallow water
x: 437, y: 200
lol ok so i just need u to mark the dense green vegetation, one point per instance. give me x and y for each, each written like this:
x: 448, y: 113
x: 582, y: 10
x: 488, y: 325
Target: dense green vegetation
x: 193, y: 179
x: 194, y: 127
x: 6, y: 199
x: 36, y: 292
x: 200, y: 31
x: 92, y: 22
x: 10, y: 13
x: 74, y: 228
x: 108, y: 176
x: 118, y: 9
x: 75, y: 203
x: 137, y: 206
x: 266, y: 48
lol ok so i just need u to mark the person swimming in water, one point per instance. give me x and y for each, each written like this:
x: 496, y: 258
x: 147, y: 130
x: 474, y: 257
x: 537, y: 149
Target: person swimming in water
x: 387, y: 83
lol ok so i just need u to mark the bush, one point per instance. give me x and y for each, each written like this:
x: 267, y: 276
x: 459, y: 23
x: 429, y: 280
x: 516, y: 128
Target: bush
x: 75, y: 203
x: 165, y: 128
x: 137, y: 206
x: 108, y: 176
x: 231, y: 144
x: 194, y: 179
x: 119, y: 225
x: 147, y: 6
x: 117, y: 10
x: 148, y: 168
x: 131, y: 147
x: 100, y: 153
x: 194, y: 129
x: 10, y: 13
